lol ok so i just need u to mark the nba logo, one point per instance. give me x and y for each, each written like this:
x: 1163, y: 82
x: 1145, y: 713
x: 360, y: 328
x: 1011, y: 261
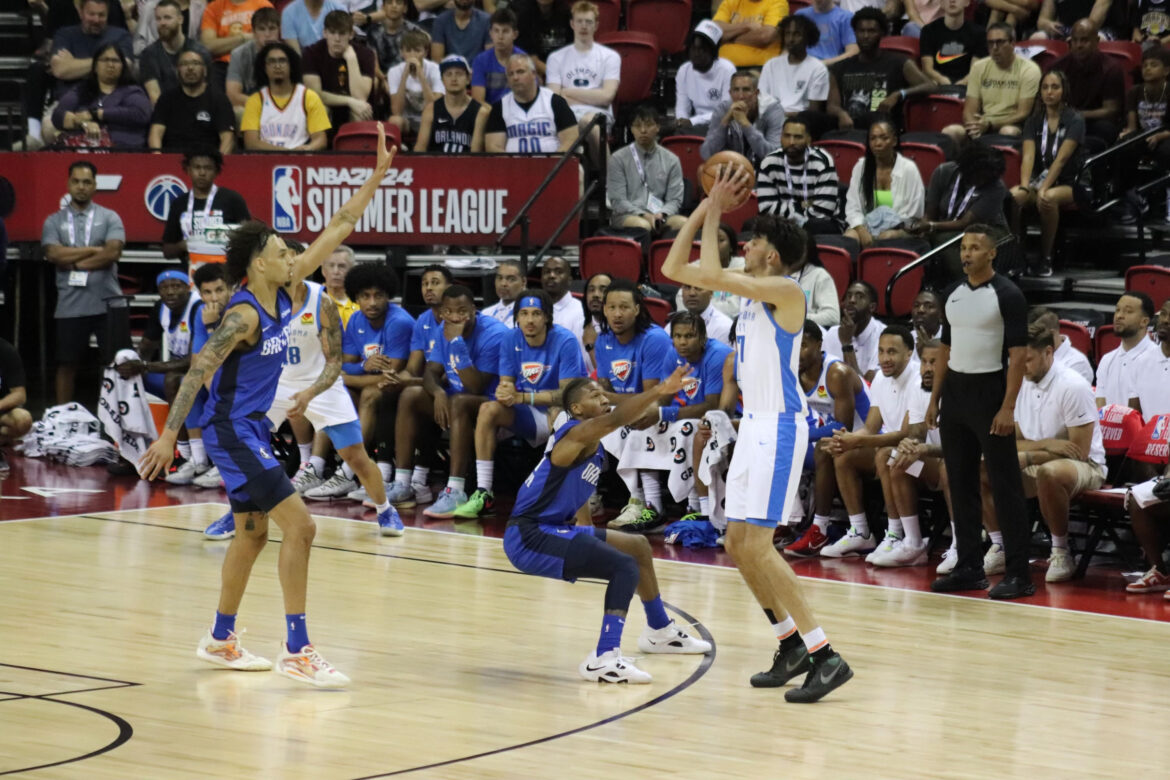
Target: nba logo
x: 1160, y: 427
x: 286, y: 199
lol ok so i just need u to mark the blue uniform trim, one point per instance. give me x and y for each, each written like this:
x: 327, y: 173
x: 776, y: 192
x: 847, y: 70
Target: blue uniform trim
x: 545, y: 550
x: 344, y: 434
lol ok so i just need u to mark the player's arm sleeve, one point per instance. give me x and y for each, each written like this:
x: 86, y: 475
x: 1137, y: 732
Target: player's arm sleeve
x: 397, y: 336
x: 1014, y: 309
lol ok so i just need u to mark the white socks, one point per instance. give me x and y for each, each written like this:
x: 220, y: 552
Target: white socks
x: 912, y: 529
x: 198, y: 452
x: 996, y: 537
x: 386, y: 469
x: 455, y: 484
x: 859, y: 524
x: 821, y: 522
x: 419, y: 477
x: 895, y: 527
x: 705, y: 506
x: 652, y: 489
x: 184, y: 449
x: 306, y: 451
x: 318, y: 463
x: 348, y: 472
x: 485, y: 471
x: 1059, y: 542
x: 402, y: 476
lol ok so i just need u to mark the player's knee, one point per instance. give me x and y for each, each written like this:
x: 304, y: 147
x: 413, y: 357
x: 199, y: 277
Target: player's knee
x: 19, y: 422
x: 881, y: 461
x: 303, y: 531
x: 369, y: 395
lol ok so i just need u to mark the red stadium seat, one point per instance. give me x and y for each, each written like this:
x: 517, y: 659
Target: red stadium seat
x: 1078, y: 336
x: 877, y: 265
x: 749, y: 209
x: 687, y: 149
x: 659, y: 310
x: 667, y: 20
x: 1054, y: 50
x: 1105, y: 341
x: 931, y: 113
x: 902, y: 44
x: 363, y: 137
x: 926, y: 156
x: 639, y: 53
x: 610, y: 13
x: 845, y: 156
x: 1011, y: 162
x: 1153, y: 280
x: 658, y: 251
x: 839, y: 263
x: 796, y: 5
x: 618, y: 257
x: 1127, y: 53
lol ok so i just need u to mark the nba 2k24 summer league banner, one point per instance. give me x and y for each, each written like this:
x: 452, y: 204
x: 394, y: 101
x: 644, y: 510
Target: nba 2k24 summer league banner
x: 423, y: 199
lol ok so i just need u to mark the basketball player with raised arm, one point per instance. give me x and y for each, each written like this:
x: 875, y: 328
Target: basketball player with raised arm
x: 541, y: 539
x: 241, y: 365
x: 773, y: 433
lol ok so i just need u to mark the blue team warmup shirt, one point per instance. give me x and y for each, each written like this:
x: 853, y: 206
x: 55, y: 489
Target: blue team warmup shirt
x: 649, y: 355
x: 484, y: 348
x: 707, y: 374
x: 544, y: 367
x: 364, y: 340
x: 246, y: 382
x: 425, y: 328
x: 552, y: 494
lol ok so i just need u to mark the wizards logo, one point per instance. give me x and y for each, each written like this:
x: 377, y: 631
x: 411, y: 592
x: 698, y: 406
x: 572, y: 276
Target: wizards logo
x: 622, y: 369
x: 532, y: 372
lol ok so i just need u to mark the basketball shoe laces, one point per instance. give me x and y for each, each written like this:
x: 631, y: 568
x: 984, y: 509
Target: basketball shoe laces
x: 311, y: 658
x: 230, y: 648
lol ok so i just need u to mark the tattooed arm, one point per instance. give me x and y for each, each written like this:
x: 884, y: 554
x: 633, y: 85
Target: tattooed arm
x: 239, y: 324
x: 331, y: 344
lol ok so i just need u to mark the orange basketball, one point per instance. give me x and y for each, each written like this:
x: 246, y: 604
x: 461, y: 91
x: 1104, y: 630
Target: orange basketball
x: 710, y: 171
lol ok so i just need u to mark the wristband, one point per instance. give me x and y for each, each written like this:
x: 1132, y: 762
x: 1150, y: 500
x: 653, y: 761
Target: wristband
x: 846, y: 347
x: 532, y: 399
x: 668, y: 413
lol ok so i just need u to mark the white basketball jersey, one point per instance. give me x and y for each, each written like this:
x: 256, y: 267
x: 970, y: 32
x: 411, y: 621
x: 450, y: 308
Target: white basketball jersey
x: 533, y: 131
x: 767, y: 362
x: 287, y: 127
x: 178, y: 339
x: 821, y: 400
x: 305, y: 360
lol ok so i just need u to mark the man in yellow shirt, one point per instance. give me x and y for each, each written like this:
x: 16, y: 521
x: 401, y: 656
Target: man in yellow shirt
x: 334, y: 270
x: 284, y: 115
x: 750, y: 33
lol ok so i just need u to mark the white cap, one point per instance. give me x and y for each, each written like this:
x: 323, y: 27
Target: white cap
x: 709, y: 29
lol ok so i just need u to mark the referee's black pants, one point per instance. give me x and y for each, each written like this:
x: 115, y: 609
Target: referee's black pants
x: 969, y: 403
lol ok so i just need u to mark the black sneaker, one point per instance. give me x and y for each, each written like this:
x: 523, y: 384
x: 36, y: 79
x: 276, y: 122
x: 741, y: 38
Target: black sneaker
x: 960, y: 580
x: 1012, y: 586
x: 823, y: 677
x: 1041, y: 269
x: 648, y: 522
x: 785, y: 666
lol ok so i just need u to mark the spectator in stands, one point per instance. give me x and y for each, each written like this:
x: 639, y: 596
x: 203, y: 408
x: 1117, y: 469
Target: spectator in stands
x: 462, y: 29
x: 1096, y: 84
x: 75, y: 47
x: 205, y: 206
x: 489, y: 69
x: 455, y: 123
x: 285, y: 114
x: 644, y: 184
x: 15, y: 421
x: 1014, y: 13
x: 835, y: 41
x: 748, y: 123
x: 241, y: 70
x: 414, y: 83
x: 726, y: 302
x: 302, y: 22
x: 702, y: 82
x: 545, y: 26
x: 874, y: 80
x: 961, y: 193
x: 341, y: 70
x: 58, y: 14
x: 798, y: 81
x: 537, y: 359
x: 1053, y: 137
x: 227, y: 25
x: 920, y: 13
x: 1001, y: 89
x: 105, y: 110
x: 697, y: 301
x: 799, y: 181
x: 855, y: 452
x: 750, y: 33
x: 555, y: 277
x: 1117, y: 370
x: 1147, y: 108
x: 510, y: 280
x: 885, y: 189
x: 334, y: 270
x: 386, y: 36
x: 592, y: 304
x: 192, y: 115
x: 83, y: 241
x: 147, y: 30
x: 586, y: 74
x: 159, y: 62
x: 1058, y: 20
x: 820, y: 291
x: 1151, y: 23
x: 950, y: 45
x: 926, y: 317
x: 531, y: 119
x: 1154, y: 370
x: 856, y: 338
x: 1066, y: 354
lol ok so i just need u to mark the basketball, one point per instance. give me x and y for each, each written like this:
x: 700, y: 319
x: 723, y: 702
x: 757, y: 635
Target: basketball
x: 710, y: 171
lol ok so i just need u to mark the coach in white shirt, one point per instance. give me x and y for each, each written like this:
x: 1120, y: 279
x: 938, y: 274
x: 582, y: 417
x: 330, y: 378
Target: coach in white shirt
x: 1152, y: 386
x: 1058, y: 439
x: 585, y: 73
x: 696, y: 300
x: 703, y: 81
x: 1066, y: 354
x: 1116, y: 370
x: 555, y: 276
x: 509, y: 285
x: 798, y: 81
x: 856, y: 338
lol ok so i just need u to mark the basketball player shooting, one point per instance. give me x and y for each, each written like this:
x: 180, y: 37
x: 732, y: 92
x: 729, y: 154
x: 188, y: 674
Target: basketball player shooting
x: 773, y: 434
x: 241, y: 365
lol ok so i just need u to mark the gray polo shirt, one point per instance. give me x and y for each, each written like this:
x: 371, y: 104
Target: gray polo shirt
x: 242, y: 66
x: 90, y: 299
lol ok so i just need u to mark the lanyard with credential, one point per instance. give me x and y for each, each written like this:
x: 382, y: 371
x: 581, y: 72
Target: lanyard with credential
x: 803, y: 181
x: 951, y: 213
x: 88, y: 227
x: 206, y: 207
x: 638, y: 165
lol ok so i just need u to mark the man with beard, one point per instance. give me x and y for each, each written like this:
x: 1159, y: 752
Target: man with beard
x: 510, y: 277
x: 703, y: 81
x: 158, y: 63
x: 595, y: 287
x: 192, y: 116
x: 1117, y: 370
x: 799, y: 181
x: 1066, y: 354
x: 1153, y: 376
x: 698, y: 302
x: 856, y: 338
x: 555, y: 276
x: 926, y: 317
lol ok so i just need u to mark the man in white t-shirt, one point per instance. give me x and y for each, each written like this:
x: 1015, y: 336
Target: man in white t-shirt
x: 1066, y: 354
x: 585, y: 73
x: 510, y: 279
x: 696, y: 300
x: 855, y: 453
x: 856, y: 338
x: 1115, y: 371
x: 703, y: 81
x: 414, y: 83
x: 1152, y: 387
x: 555, y: 276
x: 800, y: 82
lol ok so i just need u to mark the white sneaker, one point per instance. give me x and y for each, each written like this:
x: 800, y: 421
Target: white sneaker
x: 309, y: 667
x: 611, y: 667
x: 596, y: 508
x: 360, y: 495
x: 905, y: 554
x: 306, y: 478
x: 949, y: 561
x: 185, y: 474
x: 337, y: 486
x: 1060, y: 566
x: 407, y: 496
x: 889, y: 542
x: 852, y: 543
x: 630, y: 514
x: 230, y: 653
x: 671, y: 638
x: 209, y: 479
x: 994, y: 562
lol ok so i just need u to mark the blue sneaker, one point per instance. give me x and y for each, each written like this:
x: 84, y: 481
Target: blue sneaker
x: 390, y: 523
x: 449, y: 501
x: 223, y: 528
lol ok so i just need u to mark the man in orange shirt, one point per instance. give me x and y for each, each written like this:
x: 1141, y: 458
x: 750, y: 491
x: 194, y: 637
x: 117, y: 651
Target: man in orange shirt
x: 750, y: 33
x: 227, y: 24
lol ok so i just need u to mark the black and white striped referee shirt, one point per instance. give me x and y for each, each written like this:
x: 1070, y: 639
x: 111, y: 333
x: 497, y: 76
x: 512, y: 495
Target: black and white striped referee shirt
x: 982, y: 323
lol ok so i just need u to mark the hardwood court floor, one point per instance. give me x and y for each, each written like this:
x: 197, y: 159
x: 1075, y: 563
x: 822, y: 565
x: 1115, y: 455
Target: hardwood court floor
x: 463, y: 668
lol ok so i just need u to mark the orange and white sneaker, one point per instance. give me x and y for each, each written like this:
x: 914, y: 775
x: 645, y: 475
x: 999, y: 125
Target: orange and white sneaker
x: 1152, y: 581
x: 230, y: 653
x: 309, y: 667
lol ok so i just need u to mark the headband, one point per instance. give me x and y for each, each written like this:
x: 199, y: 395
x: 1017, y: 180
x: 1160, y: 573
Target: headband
x: 178, y: 276
x: 530, y: 302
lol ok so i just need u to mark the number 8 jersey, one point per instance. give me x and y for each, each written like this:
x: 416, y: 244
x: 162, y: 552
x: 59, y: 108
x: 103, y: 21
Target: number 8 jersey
x: 305, y: 359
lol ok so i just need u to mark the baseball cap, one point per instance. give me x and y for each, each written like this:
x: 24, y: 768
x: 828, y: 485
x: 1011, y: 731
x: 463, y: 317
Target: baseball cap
x: 708, y: 29
x: 454, y: 61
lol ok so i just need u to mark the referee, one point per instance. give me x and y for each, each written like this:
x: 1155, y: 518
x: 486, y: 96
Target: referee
x: 977, y: 376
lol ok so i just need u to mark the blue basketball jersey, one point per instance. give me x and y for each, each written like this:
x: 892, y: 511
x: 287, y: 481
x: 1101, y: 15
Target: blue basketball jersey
x: 544, y: 367
x: 364, y: 340
x: 649, y: 355
x: 422, y: 339
x: 552, y: 494
x: 706, y: 378
x: 200, y: 332
x: 246, y: 382
x: 484, y: 347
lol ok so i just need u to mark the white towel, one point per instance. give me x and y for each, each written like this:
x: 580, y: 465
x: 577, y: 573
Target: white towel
x: 70, y: 434
x: 124, y: 410
x: 664, y: 447
x: 713, y: 465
